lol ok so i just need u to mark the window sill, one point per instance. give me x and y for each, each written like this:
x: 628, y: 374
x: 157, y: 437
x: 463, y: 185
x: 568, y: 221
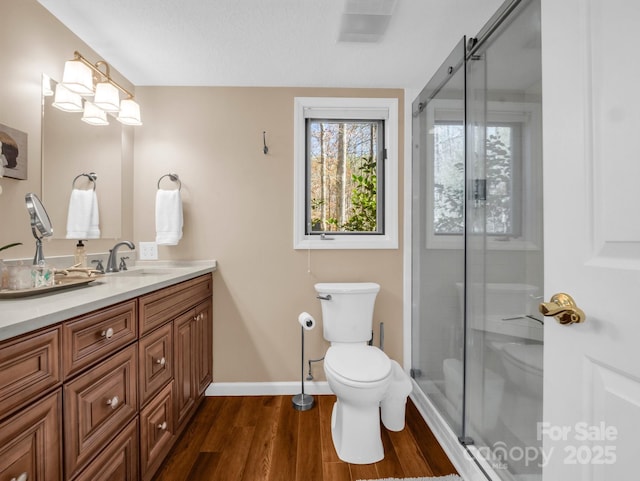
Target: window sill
x: 347, y: 242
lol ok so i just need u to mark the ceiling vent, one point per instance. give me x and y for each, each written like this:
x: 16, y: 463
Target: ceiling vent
x: 365, y: 20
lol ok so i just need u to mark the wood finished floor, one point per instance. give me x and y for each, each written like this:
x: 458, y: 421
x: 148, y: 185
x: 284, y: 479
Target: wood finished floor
x: 262, y: 438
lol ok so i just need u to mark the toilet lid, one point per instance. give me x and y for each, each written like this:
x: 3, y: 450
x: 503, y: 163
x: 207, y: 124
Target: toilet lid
x: 358, y: 362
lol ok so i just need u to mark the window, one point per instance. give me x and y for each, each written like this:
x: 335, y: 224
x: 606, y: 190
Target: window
x: 511, y: 207
x: 502, y: 190
x: 345, y: 171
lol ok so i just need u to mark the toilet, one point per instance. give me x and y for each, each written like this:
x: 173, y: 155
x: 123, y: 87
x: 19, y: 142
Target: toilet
x: 362, y: 377
x: 523, y: 364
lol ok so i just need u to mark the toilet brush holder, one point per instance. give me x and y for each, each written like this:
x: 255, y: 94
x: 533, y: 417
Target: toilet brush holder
x: 302, y: 401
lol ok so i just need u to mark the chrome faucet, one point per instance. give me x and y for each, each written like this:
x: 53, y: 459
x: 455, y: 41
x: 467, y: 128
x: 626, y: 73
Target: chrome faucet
x: 112, y: 266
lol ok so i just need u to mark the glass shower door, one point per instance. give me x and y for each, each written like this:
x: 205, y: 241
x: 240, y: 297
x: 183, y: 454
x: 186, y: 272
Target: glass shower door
x: 504, y: 277
x: 438, y: 257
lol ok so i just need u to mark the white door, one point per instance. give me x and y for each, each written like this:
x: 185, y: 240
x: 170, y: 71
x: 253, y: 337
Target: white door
x: 591, y: 121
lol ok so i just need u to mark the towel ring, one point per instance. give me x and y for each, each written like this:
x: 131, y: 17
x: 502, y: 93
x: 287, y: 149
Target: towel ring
x: 172, y: 177
x: 92, y: 176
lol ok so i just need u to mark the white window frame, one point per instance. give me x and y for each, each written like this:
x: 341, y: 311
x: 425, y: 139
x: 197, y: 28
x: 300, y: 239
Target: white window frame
x: 346, y: 108
x: 528, y: 114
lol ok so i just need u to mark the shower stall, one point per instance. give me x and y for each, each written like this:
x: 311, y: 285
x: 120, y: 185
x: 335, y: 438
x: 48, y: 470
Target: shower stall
x: 477, y: 253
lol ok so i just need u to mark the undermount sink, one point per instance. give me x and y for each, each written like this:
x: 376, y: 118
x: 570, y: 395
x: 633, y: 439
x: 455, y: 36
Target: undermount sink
x: 146, y: 271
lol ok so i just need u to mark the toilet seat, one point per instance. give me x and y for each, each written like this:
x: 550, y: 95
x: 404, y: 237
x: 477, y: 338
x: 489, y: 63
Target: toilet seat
x: 527, y: 357
x: 357, y: 364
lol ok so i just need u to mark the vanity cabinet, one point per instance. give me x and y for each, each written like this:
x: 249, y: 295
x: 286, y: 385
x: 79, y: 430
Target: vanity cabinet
x: 105, y: 395
x: 175, y: 347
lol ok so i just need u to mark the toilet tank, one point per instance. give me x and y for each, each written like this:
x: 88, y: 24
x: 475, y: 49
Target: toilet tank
x: 348, y: 315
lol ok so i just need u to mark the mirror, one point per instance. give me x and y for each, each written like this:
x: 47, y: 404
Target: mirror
x: 71, y: 148
x: 40, y: 224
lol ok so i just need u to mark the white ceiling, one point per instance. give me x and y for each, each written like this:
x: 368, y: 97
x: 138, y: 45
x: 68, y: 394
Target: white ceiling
x: 268, y: 42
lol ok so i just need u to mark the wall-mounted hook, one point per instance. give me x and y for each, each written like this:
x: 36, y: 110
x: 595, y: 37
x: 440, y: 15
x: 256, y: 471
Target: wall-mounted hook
x: 265, y: 149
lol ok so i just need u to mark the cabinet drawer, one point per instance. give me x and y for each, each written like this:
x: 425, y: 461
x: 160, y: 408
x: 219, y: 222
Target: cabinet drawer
x: 161, y: 306
x: 89, y: 339
x: 30, y: 442
x: 155, y: 362
x: 156, y: 431
x: 119, y: 461
x: 29, y: 365
x: 98, y: 404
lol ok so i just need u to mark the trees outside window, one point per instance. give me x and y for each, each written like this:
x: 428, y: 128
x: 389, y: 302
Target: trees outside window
x: 502, y: 172
x: 343, y: 160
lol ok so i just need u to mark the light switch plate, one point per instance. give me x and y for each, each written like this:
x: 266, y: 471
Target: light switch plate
x: 148, y: 251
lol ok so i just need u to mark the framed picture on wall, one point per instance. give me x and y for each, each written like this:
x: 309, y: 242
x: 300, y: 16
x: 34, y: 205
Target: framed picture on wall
x: 13, y: 156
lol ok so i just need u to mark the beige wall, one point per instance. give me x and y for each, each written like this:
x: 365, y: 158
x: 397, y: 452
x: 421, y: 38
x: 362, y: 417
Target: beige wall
x: 238, y: 210
x: 238, y: 202
x: 32, y: 42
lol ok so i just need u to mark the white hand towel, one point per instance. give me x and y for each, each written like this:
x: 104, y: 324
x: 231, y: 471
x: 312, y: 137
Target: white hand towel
x: 168, y: 217
x: 83, y: 221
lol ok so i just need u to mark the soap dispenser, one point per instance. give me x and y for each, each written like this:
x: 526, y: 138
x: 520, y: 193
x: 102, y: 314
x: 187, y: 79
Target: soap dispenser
x: 81, y: 255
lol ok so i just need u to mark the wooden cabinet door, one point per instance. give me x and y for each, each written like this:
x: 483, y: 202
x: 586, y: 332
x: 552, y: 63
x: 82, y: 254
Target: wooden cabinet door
x: 31, y: 444
x: 185, y: 389
x: 193, y: 358
x: 204, y: 347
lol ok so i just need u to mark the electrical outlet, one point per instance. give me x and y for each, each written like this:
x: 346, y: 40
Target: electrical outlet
x: 148, y: 251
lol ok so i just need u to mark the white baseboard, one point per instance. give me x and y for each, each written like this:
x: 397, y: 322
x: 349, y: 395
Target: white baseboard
x: 266, y: 388
x: 461, y: 459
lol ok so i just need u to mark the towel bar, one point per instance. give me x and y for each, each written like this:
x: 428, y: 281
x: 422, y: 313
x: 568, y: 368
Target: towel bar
x: 92, y: 176
x: 173, y: 177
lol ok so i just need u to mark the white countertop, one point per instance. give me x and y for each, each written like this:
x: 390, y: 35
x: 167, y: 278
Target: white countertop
x: 25, y: 314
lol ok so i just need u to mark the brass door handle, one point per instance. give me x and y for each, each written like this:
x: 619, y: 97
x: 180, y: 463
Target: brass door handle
x: 563, y: 308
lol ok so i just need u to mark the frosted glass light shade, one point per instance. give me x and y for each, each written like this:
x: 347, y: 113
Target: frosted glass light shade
x: 107, y: 97
x: 94, y: 115
x: 77, y: 77
x: 66, y: 100
x: 129, y: 112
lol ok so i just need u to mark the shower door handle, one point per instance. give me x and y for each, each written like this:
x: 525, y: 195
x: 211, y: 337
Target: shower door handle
x: 563, y: 308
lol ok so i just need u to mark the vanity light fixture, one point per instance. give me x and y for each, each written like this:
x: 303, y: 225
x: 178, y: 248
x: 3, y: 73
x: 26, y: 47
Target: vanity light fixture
x: 107, y: 97
x: 93, y: 114
x: 129, y: 112
x: 87, y: 79
x: 66, y: 100
x: 77, y: 77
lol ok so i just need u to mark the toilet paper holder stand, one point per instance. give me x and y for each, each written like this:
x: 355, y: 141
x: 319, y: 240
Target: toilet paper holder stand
x: 302, y: 401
